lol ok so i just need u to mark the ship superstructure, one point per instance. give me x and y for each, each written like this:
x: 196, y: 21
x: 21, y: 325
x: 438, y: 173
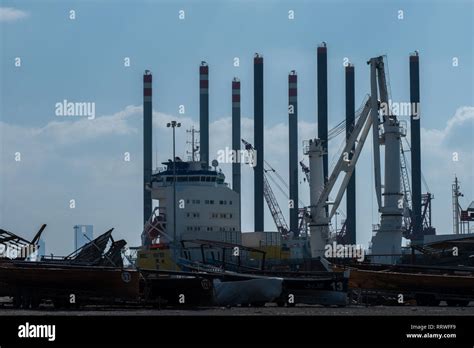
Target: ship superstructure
x: 206, y: 208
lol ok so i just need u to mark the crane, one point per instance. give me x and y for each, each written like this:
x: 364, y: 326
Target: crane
x: 341, y: 235
x: 426, y: 199
x: 270, y: 198
x: 319, y: 192
x: 407, y: 204
x: 386, y: 130
x: 305, y: 170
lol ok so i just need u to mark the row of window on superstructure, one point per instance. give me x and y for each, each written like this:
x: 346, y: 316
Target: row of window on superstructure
x: 207, y: 201
x: 211, y: 215
x: 192, y: 178
x: 210, y: 228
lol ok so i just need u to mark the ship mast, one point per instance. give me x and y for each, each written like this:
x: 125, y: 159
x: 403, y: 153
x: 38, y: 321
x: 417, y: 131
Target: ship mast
x: 456, y: 195
x: 194, y: 143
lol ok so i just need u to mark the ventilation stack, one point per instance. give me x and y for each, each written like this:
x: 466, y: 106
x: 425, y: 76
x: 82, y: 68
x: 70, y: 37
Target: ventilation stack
x: 293, y: 150
x: 236, y: 166
x: 204, y: 113
x: 351, y: 188
x: 258, y: 141
x: 147, y: 144
x: 415, y: 147
x: 323, y: 104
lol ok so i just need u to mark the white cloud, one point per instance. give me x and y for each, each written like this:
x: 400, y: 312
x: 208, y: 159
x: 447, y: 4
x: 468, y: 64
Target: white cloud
x: 461, y: 121
x: 438, y: 145
x: 71, y: 131
x: 10, y: 14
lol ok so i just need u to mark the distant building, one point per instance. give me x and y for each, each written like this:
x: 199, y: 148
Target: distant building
x: 82, y: 234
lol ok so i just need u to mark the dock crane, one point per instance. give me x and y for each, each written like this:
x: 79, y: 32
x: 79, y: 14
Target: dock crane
x: 386, y: 130
x: 426, y: 199
x: 319, y: 192
x: 341, y: 235
x: 270, y: 198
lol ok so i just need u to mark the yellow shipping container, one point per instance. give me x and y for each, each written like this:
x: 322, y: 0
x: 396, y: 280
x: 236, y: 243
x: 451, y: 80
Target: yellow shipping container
x: 159, y: 259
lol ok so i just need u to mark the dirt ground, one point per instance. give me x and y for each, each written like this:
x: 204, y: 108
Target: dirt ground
x: 268, y: 310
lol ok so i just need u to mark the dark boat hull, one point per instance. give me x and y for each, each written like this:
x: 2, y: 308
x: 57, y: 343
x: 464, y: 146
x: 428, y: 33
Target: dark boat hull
x: 176, y: 290
x: 412, y: 282
x: 40, y: 278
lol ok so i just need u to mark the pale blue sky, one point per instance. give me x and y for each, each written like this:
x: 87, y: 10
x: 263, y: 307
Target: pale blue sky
x: 82, y: 60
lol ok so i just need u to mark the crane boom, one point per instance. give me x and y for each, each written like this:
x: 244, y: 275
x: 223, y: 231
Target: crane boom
x: 319, y: 191
x: 407, y: 210
x: 275, y: 210
x: 382, y: 83
x: 375, y: 130
x: 271, y: 200
x: 344, y: 163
